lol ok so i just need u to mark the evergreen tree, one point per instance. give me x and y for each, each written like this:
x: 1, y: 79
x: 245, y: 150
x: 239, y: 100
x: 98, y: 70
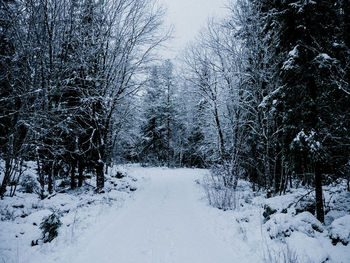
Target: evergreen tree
x: 154, y: 129
x: 308, y: 88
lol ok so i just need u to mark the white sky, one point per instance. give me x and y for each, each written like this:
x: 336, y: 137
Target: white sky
x: 188, y: 17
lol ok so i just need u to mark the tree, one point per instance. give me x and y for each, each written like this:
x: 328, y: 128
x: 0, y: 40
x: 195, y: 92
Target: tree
x: 13, y: 89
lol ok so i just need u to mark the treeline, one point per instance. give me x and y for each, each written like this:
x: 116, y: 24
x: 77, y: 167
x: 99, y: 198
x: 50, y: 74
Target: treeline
x: 67, y: 70
x: 165, y: 126
x: 275, y: 76
x: 263, y: 95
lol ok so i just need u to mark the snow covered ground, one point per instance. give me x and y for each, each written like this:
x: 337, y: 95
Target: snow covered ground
x: 167, y: 220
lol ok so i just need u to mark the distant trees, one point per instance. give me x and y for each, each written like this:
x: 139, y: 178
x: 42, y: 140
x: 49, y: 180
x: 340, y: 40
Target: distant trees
x: 161, y: 128
x: 154, y: 127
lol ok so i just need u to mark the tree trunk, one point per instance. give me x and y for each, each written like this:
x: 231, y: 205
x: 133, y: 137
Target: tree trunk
x: 278, y: 174
x: 50, y: 177
x: 100, y: 180
x: 291, y: 175
x: 6, y: 178
x: 319, y: 195
x: 168, y: 141
x: 221, y: 137
x: 80, y: 171
x: 41, y: 179
x: 106, y: 169
x: 73, y: 184
x: 168, y: 126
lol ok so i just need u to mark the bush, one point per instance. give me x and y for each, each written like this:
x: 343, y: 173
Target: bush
x: 306, y: 205
x: 30, y: 184
x: 340, y: 230
x: 218, y: 193
x: 280, y: 254
x: 282, y: 225
x: 49, y: 227
x: 268, y: 211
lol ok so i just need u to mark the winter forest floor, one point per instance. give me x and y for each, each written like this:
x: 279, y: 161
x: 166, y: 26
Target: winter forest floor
x: 166, y: 220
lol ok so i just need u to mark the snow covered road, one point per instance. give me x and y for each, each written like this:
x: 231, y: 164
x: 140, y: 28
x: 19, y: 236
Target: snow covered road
x: 167, y: 222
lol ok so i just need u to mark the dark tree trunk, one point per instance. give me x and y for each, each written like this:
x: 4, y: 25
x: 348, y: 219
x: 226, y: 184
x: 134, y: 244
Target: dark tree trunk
x: 278, y: 175
x: 73, y: 184
x: 291, y: 175
x: 80, y: 171
x: 100, y: 180
x: 106, y: 169
x: 50, y: 177
x: 221, y: 136
x: 319, y: 195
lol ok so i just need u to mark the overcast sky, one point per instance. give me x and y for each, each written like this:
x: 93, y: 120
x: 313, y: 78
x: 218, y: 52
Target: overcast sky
x: 188, y: 17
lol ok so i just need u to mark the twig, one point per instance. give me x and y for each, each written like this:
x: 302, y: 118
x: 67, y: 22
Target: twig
x: 301, y: 198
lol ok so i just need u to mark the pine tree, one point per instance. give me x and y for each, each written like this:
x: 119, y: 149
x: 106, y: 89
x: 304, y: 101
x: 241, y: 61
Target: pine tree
x: 308, y: 87
x: 154, y: 130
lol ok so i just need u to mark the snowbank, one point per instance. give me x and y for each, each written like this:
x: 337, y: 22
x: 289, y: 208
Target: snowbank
x: 340, y: 230
x: 282, y: 225
x: 79, y: 210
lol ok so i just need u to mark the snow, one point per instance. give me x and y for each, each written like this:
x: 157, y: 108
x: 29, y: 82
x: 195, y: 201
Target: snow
x: 324, y: 56
x: 267, y: 98
x: 282, y: 225
x: 340, y: 230
x: 308, y: 139
x: 37, y: 217
x: 292, y: 56
x: 80, y: 209
x: 324, y: 60
x: 291, y: 235
x: 168, y: 219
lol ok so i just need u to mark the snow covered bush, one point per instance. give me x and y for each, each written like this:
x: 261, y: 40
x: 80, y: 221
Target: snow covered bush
x: 219, y: 194
x: 306, y: 205
x: 340, y: 230
x: 49, y: 227
x: 30, y: 184
x: 268, y: 211
x: 305, y: 222
x: 282, y: 225
x: 278, y: 254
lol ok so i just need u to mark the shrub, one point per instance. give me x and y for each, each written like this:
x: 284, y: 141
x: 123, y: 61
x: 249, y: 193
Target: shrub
x: 280, y: 254
x: 306, y: 205
x: 219, y: 194
x: 268, y: 211
x: 282, y: 225
x: 30, y: 184
x: 49, y: 227
x: 340, y: 230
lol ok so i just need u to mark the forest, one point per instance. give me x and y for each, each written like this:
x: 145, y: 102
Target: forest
x: 261, y: 95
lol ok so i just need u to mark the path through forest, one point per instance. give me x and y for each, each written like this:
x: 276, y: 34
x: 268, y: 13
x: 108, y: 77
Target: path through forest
x: 167, y: 222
